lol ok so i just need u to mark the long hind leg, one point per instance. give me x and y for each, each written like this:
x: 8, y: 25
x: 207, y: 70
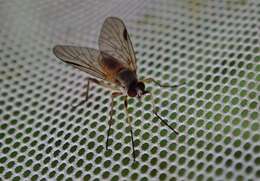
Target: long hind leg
x: 156, y: 114
x: 149, y: 80
x: 95, y: 81
x: 114, y: 94
x: 130, y: 125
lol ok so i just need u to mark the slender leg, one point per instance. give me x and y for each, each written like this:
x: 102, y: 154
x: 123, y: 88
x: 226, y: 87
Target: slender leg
x: 149, y: 80
x: 114, y: 94
x: 86, y: 98
x: 98, y: 82
x: 129, y: 122
x: 156, y: 114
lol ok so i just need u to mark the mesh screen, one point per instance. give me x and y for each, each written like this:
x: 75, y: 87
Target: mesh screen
x: 211, y: 45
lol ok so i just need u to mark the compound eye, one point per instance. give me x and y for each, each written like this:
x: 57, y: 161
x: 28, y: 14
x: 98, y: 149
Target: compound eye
x: 141, y: 86
x: 131, y: 92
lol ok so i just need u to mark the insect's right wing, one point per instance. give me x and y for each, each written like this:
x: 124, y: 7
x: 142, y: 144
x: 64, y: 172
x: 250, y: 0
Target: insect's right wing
x: 85, y: 59
x: 114, y: 40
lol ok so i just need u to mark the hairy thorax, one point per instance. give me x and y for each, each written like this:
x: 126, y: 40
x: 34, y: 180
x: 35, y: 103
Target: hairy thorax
x: 126, y: 77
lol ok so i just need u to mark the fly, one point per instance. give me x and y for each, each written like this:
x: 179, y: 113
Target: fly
x: 112, y: 66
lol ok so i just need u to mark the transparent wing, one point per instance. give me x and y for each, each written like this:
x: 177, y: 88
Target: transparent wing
x: 115, y: 41
x: 88, y: 60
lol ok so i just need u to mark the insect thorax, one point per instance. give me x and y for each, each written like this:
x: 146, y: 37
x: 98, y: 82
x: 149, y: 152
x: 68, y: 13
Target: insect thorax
x: 126, y: 77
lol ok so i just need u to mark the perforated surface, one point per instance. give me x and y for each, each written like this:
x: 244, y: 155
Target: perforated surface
x: 212, y: 46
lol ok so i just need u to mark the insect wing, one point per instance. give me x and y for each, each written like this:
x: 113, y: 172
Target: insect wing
x: 115, y: 41
x: 88, y: 60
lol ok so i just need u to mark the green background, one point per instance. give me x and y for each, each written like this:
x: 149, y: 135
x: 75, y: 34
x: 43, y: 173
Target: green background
x: 211, y: 45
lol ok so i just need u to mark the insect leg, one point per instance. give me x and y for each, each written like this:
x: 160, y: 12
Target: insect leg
x: 156, y: 114
x: 114, y: 94
x: 129, y: 122
x: 98, y: 82
x: 86, y: 98
x: 149, y: 80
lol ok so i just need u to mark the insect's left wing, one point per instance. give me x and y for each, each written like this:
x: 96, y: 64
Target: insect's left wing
x: 114, y: 40
x: 88, y: 60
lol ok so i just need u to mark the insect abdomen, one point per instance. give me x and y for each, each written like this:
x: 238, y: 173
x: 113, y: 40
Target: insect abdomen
x: 111, y: 67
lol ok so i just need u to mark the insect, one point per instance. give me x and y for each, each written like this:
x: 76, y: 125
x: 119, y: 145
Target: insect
x: 112, y: 66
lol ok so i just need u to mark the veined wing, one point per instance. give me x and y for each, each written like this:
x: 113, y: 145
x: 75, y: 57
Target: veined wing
x: 115, y: 41
x: 88, y: 60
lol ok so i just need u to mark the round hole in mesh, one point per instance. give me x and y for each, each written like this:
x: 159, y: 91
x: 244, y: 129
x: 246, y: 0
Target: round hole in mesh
x: 211, y: 46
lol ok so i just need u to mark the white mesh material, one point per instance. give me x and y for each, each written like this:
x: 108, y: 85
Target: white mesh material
x: 211, y: 45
